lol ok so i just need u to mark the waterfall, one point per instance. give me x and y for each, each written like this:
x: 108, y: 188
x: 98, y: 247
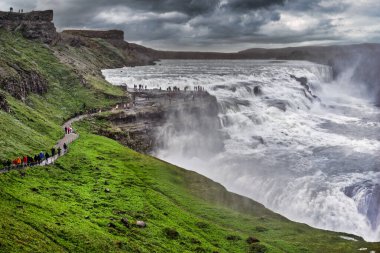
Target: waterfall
x: 281, y: 132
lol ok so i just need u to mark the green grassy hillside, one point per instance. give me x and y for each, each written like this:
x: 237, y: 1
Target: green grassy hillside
x: 34, y: 122
x: 77, y: 205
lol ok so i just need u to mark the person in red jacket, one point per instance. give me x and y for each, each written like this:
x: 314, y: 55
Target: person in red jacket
x: 25, y: 161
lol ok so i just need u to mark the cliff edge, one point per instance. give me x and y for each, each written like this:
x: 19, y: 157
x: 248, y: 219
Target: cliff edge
x: 36, y: 25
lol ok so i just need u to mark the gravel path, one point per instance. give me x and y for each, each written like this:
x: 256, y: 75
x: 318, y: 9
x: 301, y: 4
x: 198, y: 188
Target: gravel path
x: 68, y: 138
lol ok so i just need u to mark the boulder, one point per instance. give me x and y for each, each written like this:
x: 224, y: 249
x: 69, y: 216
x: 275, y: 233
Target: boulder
x: 125, y: 222
x: 257, y: 91
x: 140, y: 224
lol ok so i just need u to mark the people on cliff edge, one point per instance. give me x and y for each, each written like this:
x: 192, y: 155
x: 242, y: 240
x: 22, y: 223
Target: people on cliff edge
x: 65, y: 147
x: 53, y: 152
x: 59, y: 151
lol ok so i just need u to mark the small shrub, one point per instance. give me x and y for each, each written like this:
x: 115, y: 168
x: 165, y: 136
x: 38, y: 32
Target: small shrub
x: 200, y: 250
x: 261, y: 229
x: 202, y: 225
x: 195, y: 241
x: 171, y: 233
x: 257, y: 248
x: 252, y: 239
x: 233, y: 238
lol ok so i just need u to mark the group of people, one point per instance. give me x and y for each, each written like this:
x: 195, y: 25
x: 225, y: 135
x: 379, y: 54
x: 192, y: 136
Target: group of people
x: 29, y: 161
x: 68, y: 130
x: 199, y: 88
x: 170, y: 88
x: 141, y: 87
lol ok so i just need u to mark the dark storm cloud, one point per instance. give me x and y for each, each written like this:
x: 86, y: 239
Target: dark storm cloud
x: 244, y: 5
x: 225, y: 24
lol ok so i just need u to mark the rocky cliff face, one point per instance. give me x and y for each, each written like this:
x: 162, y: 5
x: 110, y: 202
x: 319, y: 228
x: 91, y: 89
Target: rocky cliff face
x: 22, y: 82
x: 106, y: 35
x: 3, y: 103
x: 36, y: 25
x: 142, y: 127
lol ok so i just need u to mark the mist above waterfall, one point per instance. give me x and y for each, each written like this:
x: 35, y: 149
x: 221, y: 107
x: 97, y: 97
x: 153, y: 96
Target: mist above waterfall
x: 281, y: 132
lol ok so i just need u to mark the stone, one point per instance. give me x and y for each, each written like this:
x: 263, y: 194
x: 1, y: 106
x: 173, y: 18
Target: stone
x: 125, y: 222
x: 107, y: 190
x: 257, y: 91
x: 140, y: 224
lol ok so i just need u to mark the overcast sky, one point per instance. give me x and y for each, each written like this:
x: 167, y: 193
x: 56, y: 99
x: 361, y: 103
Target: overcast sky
x: 219, y: 25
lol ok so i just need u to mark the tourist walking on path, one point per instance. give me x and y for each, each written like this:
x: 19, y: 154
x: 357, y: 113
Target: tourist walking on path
x: 25, y: 161
x: 47, y: 156
x: 53, y: 152
x: 42, y: 156
x: 59, y: 151
x: 64, y: 147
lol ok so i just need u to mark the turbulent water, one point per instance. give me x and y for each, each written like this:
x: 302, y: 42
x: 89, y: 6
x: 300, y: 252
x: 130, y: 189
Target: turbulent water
x: 307, y: 151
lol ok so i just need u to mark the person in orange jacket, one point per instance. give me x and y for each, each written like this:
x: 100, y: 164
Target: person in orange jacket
x: 18, y: 161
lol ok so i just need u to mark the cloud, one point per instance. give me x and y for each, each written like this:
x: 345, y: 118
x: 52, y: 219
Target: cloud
x: 227, y: 25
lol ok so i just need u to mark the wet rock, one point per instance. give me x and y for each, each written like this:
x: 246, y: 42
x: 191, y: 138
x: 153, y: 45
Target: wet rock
x: 278, y: 103
x: 259, y: 139
x: 257, y: 91
x: 233, y: 238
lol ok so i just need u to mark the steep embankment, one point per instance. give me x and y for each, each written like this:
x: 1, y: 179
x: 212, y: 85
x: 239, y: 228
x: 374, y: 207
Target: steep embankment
x: 77, y: 205
x: 90, y: 200
x: 39, y: 91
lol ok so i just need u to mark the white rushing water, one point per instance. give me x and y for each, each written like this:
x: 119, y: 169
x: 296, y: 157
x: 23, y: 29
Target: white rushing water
x: 308, y: 153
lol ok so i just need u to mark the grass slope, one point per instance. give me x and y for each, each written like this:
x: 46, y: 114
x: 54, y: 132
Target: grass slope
x: 34, y: 124
x: 65, y: 208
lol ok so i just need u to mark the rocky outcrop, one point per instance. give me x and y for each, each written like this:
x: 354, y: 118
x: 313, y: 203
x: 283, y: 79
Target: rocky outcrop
x: 3, y: 103
x: 36, y: 25
x: 23, y: 82
x: 157, y: 112
x: 106, y: 35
